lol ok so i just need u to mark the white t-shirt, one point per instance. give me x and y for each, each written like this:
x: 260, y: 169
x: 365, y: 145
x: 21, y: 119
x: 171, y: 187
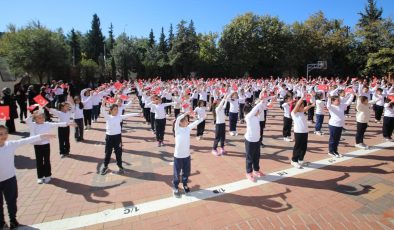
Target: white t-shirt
x: 182, y: 137
x: 299, y: 121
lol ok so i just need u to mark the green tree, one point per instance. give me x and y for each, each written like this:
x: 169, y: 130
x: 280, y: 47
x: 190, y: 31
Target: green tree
x: 375, y: 34
x: 171, y: 38
x: 74, y: 41
x: 36, y: 50
x: 95, y: 40
x: 151, y: 39
x: 89, y: 68
x: 125, y: 55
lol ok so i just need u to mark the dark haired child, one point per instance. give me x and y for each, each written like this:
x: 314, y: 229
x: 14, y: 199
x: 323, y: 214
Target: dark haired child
x: 113, y: 138
x: 336, y: 122
x: 252, y: 141
x: 200, y: 110
x: 38, y: 125
x: 182, y: 160
x: 388, y: 120
x: 8, y: 182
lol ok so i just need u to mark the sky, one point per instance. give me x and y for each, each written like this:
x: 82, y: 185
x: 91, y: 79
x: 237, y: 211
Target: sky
x: 137, y: 17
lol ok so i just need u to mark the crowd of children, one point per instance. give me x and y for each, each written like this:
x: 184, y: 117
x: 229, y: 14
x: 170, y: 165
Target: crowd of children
x: 241, y: 100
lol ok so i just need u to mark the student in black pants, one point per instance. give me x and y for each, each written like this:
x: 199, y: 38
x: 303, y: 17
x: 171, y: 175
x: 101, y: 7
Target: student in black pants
x: 388, y: 120
x: 300, y: 132
x: 113, y: 138
x: 8, y: 182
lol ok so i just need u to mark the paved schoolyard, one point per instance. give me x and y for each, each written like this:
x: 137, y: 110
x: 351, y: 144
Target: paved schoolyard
x: 357, y: 193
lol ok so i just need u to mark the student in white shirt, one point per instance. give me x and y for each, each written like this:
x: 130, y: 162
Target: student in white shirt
x: 242, y: 100
x: 86, y: 97
x: 362, y: 118
x: 177, y: 106
x: 37, y: 125
x: 8, y: 182
x: 160, y: 118
x: 300, y: 132
x: 64, y: 115
x: 319, y: 105
x: 113, y: 138
x: 233, y: 113
x: 388, y: 120
x: 252, y: 143
x: 336, y: 122
x: 378, y: 100
x: 182, y: 161
x: 220, y: 127
x: 287, y: 121
x: 77, y: 110
x: 200, y: 110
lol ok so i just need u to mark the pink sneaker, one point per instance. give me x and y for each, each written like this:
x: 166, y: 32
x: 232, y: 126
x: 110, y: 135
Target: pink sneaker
x: 250, y: 177
x: 258, y: 174
x: 222, y: 151
x: 215, y: 152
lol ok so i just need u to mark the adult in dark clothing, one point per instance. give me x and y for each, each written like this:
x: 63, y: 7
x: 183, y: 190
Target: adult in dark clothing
x: 9, y: 100
x: 43, y: 93
x: 31, y: 93
x: 21, y: 99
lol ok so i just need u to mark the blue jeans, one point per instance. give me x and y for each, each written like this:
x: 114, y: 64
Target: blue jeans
x: 233, y: 117
x: 319, y: 122
x: 181, y: 164
x: 335, y: 137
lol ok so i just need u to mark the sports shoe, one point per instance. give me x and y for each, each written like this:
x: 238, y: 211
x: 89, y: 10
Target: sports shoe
x: 47, y: 179
x: 176, y: 193
x: 338, y: 155
x: 250, y: 177
x: 104, y: 171
x: 301, y: 162
x: 258, y: 174
x: 40, y: 181
x: 215, y: 152
x: 158, y: 144
x: 186, y: 188
x: 86, y: 128
x: 198, y: 137
x: 332, y: 154
x: 161, y: 143
x: 388, y: 139
x: 360, y: 146
x: 232, y: 133
x: 120, y: 171
x: 295, y: 164
x: 290, y: 139
x: 223, y: 151
x: 14, y: 224
x: 235, y: 134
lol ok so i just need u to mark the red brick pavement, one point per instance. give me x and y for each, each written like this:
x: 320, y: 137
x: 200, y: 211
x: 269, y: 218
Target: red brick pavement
x: 329, y: 198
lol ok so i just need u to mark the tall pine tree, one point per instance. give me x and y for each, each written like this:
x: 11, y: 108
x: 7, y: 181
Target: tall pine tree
x: 162, y: 42
x: 170, y: 38
x: 75, y: 47
x: 95, y: 40
x: 151, y: 39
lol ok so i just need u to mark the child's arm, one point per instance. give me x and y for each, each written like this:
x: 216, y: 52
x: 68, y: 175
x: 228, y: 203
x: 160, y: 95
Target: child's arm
x: 349, y: 100
x: 297, y: 105
x: 169, y: 104
x: 102, y: 110
x: 30, y: 140
x: 124, y: 116
x: 254, y: 111
x: 195, y: 123
x: 178, y: 120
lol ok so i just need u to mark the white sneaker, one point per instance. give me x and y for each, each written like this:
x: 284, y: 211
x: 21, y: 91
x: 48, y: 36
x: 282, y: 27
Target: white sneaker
x: 301, y: 162
x: 332, y: 154
x: 40, y: 181
x: 47, y: 179
x: 295, y: 164
x: 360, y: 146
x: 86, y: 128
x: 232, y: 133
x: 235, y: 134
x: 388, y: 139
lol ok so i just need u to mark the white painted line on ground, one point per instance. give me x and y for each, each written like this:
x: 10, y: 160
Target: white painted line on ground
x: 171, y: 202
